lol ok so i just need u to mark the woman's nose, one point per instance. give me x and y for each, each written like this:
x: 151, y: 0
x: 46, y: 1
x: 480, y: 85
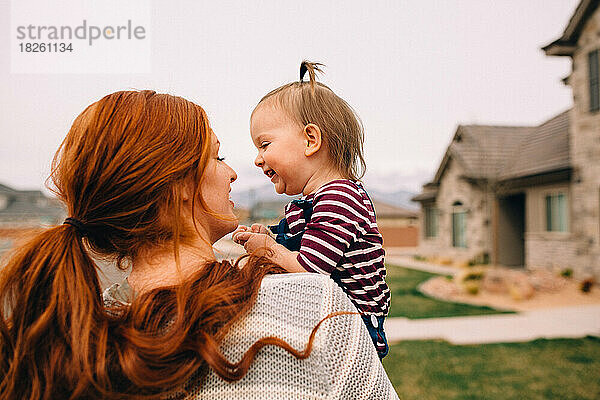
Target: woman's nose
x: 233, y: 175
x: 258, y: 161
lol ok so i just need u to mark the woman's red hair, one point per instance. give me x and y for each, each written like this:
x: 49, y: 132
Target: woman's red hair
x: 119, y: 171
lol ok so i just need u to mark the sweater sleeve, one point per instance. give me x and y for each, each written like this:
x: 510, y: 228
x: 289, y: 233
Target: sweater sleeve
x: 339, y: 217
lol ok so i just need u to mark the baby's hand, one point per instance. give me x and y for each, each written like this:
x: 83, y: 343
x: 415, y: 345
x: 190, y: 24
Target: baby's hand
x: 255, y: 228
x: 259, y: 228
x: 253, y: 241
x: 281, y: 256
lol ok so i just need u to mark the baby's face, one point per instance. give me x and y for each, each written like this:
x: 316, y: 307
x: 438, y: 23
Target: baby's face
x: 281, y: 149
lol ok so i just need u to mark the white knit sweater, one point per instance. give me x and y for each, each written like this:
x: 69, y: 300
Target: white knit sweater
x: 342, y: 365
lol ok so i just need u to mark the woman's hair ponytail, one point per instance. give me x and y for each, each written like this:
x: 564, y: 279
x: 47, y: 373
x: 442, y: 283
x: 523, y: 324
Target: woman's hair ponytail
x: 51, y: 317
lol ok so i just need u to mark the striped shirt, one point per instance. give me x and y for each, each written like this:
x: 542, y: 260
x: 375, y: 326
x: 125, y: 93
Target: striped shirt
x: 341, y: 239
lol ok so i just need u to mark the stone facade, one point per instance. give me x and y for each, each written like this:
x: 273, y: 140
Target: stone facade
x: 585, y: 154
x: 553, y: 250
x: 453, y: 189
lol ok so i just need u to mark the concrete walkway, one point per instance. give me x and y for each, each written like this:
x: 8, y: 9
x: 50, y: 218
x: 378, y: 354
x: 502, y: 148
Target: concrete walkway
x: 410, y: 262
x: 565, y: 322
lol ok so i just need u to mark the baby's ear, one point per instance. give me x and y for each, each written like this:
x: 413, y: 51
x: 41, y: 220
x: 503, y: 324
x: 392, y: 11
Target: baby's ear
x: 312, y: 138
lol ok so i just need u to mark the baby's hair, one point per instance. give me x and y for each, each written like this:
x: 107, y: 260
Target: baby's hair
x: 314, y: 103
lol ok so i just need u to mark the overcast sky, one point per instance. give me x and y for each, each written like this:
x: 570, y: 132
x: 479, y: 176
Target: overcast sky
x: 413, y: 70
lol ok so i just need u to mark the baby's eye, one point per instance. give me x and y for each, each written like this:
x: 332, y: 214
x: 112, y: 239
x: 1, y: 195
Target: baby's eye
x: 264, y: 144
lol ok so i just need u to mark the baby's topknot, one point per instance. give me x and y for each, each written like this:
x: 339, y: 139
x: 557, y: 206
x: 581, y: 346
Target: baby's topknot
x: 312, y: 68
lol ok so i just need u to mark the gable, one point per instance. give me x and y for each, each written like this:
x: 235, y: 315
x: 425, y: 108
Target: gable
x: 482, y: 151
x: 566, y: 45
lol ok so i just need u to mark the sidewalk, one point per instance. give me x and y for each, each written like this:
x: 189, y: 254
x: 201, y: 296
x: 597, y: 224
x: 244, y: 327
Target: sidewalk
x: 409, y: 262
x: 562, y: 322
x: 565, y: 322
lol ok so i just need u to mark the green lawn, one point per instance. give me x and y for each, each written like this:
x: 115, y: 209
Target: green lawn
x: 408, y: 302
x: 542, y: 369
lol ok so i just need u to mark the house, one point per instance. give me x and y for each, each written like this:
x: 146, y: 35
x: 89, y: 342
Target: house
x: 21, y: 210
x: 526, y: 196
x: 398, y: 226
x: 28, y: 209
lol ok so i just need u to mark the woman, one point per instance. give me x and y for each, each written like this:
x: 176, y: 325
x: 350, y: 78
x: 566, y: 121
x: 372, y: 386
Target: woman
x: 143, y: 184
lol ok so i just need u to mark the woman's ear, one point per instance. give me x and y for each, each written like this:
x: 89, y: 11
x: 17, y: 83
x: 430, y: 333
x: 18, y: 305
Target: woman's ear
x: 312, y: 138
x: 186, y: 190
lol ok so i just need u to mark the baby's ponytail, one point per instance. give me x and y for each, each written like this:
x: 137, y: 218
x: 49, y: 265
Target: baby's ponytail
x: 312, y: 68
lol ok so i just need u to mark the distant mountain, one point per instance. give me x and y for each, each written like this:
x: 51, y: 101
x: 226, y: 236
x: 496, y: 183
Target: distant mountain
x: 399, y: 198
x: 245, y: 198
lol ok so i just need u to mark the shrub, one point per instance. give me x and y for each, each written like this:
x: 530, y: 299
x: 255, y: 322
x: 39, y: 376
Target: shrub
x: 469, y: 279
x: 471, y: 287
x: 445, y: 261
x: 586, y: 285
x: 566, y: 273
x: 480, y: 259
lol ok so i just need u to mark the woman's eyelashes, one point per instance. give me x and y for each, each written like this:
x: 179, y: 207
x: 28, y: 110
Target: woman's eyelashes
x: 220, y: 158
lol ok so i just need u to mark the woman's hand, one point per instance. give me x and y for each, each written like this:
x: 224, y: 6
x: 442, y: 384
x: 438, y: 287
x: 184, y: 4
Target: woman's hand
x: 239, y: 229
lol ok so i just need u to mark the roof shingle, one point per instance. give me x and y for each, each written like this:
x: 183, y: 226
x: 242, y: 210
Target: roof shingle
x: 545, y: 149
x: 498, y: 153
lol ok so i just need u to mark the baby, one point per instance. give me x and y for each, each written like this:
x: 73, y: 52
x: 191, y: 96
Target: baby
x: 310, y: 141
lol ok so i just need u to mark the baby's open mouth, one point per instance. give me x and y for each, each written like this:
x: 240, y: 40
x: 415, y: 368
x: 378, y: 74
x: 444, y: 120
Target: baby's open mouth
x: 270, y: 173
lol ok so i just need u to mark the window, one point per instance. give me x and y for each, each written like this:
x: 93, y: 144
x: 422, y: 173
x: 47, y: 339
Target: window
x: 459, y: 225
x: 431, y: 222
x: 594, y: 71
x: 556, y: 212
